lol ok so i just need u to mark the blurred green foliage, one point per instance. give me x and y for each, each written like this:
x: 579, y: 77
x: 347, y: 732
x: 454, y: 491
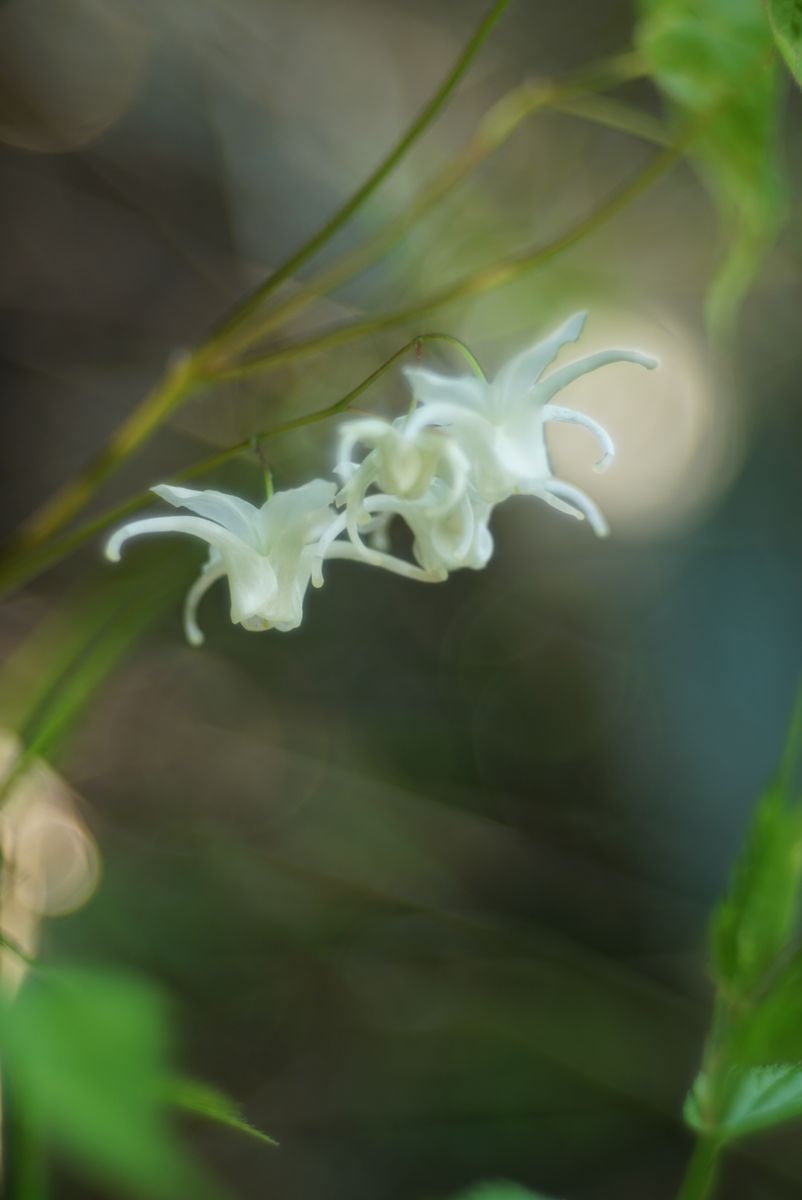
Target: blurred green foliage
x: 203, y: 1100
x: 756, y: 919
x: 713, y: 60
x: 786, y: 23
x: 773, y: 1031
x: 85, y: 1055
x: 750, y: 1099
x: 748, y: 1082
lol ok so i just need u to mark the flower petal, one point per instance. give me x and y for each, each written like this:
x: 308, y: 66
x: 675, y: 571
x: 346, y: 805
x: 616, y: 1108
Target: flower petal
x: 298, y: 515
x: 321, y: 550
x: 459, y: 468
x: 252, y: 578
x: 447, y: 534
x: 213, y: 571
x: 555, y: 412
x: 287, y: 609
x: 465, y: 391
x: 360, y: 429
x: 517, y: 377
x: 234, y: 514
x: 560, y: 378
x: 557, y: 489
x: 389, y: 562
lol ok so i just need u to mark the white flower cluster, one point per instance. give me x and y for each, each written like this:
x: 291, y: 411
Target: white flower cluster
x: 466, y: 445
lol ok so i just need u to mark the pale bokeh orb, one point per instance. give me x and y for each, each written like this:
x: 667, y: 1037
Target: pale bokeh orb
x: 678, y: 430
x: 68, y: 71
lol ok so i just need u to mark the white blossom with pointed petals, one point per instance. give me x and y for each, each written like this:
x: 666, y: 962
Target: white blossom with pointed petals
x: 467, y: 445
x: 448, y: 534
x: 270, y: 554
x: 500, y: 425
x: 267, y: 553
x: 423, y: 476
x: 424, y: 467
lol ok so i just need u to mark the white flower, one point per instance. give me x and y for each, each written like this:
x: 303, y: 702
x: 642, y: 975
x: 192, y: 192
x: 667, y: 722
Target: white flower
x: 449, y: 534
x: 268, y: 553
x: 400, y: 464
x: 467, y: 445
x: 500, y: 425
x: 423, y: 476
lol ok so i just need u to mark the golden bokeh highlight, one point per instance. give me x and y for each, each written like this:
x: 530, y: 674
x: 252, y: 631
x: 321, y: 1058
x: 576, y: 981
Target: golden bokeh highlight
x: 50, y: 861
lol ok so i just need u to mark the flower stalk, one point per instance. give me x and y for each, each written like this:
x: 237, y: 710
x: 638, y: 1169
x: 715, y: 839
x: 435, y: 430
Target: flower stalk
x: 228, y: 330
x: 477, y: 283
x: 495, y: 128
x: 703, y: 1169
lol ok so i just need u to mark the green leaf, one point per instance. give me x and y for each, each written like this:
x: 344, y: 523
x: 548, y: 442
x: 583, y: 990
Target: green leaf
x: 755, y: 920
x: 85, y: 1056
x: 785, y: 19
x: 748, y: 1100
x: 500, y: 1191
x: 713, y: 61
x: 208, y: 1102
x: 770, y: 1030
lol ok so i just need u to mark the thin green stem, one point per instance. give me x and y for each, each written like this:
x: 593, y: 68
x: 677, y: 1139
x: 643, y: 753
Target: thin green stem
x: 332, y: 410
x: 24, y: 1157
x: 495, y: 128
x: 18, y: 569
x: 614, y: 114
x: 703, y: 1170
x: 427, y: 115
x: 486, y: 279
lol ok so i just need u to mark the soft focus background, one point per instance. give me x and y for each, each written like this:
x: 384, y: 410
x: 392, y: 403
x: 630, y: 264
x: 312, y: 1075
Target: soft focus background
x: 428, y: 879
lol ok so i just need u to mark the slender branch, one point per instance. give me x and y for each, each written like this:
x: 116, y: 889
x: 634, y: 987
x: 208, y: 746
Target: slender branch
x: 614, y: 114
x: 703, y: 1170
x: 25, y: 1174
x: 486, y: 279
x: 495, y: 128
x: 331, y: 410
x: 246, y: 307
